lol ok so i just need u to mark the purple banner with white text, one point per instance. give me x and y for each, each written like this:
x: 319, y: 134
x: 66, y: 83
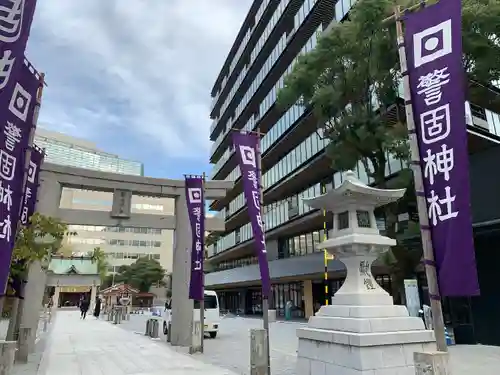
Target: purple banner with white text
x: 433, y: 40
x: 32, y: 181
x: 16, y: 123
x: 18, y: 89
x: 196, y: 210
x: 16, y: 17
x: 246, y: 146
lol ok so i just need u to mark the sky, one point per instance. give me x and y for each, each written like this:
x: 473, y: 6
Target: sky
x: 135, y: 76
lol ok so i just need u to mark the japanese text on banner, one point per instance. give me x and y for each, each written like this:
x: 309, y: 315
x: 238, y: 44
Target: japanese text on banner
x: 433, y: 40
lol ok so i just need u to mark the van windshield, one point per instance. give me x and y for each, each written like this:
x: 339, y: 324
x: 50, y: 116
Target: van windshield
x: 210, y: 302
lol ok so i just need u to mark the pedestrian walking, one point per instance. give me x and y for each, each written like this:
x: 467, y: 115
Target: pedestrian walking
x: 97, y: 309
x: 84, y: 307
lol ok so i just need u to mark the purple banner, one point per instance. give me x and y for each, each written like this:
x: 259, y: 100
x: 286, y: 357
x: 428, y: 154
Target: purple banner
x: 16, y: 122
x: 16, y: 17
x: 31, y: 190
x: 196, y: 210
x: 433, y: 39
x: 247, y: 149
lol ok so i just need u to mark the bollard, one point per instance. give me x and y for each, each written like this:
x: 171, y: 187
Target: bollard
x: 116, y: 317
x: 169, y: 332
x: 196, y: 338
x: 148, y: 327
x: 7, y: 354
x: 258, y: 352
x: 23, y: 350
x: 154, y: 328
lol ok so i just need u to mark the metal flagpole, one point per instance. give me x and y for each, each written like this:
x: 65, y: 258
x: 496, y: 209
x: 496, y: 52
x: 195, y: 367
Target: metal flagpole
x: 428, y: 251
x: 265, y: 299
x: 202, y: 302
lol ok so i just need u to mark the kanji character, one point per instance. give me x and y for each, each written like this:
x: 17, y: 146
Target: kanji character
x: 6, y: 65
x: 6, y: 195
x: 430, y: 85
x: 440, y: 162
x: 6, y: 228
x: 13, y: 135
x: 11, y: 20
x: 368, y: 284
x: 7, y: 165
x: 436, y: 212
x: 435, y: 124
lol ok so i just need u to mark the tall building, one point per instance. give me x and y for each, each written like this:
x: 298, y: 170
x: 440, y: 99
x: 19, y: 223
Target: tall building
x: 74, y: 152
x: 295, y: 166
x: 124, y: 245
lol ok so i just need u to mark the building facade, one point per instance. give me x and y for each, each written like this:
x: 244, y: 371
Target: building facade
x: 74, y: 152
x: 124, y: 245
x: 294, y: 166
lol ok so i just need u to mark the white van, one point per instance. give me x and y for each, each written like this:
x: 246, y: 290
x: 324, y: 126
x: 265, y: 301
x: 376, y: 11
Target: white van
x: 212, y: 314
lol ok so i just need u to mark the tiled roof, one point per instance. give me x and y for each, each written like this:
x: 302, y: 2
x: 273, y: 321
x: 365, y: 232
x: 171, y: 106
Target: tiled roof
x: 64, y: 266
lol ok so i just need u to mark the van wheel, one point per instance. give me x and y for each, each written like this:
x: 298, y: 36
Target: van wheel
x: 213, y: 335
x: 165, y: 328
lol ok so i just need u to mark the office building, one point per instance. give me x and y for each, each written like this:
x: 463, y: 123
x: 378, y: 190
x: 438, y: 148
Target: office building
x: 124, y: 245
x: 74, y: 152
x: 295, y: 166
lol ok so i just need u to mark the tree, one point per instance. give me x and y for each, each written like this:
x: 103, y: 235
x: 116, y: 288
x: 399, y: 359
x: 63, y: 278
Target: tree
x: 100, y: 257
x: 37, y: 241
x: 350, y: 82
x: 141, y: 274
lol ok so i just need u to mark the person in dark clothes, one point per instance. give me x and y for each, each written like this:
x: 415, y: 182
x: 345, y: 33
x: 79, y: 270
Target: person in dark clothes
x: 84, y: 307
x: 97, y: 309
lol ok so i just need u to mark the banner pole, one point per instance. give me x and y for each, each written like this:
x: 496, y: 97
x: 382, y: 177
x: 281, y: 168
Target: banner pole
x: 265, y: 298
x: 428, y: 251
x: 202, y: 302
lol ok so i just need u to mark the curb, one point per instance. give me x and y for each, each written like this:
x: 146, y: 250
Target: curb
x: 45, y: 342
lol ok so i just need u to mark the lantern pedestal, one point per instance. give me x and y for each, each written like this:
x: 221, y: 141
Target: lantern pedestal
x: 362, y: 332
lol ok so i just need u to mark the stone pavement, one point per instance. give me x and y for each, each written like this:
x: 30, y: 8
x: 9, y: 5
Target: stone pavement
x: 234, y: 338
x: 82, y: 347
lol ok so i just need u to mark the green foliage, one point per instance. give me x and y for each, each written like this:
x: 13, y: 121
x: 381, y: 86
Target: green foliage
x: 100, y: 257
x: 481, y: 45
x: 37, y: 242
x: 141, y: 274
x: 351, y: 80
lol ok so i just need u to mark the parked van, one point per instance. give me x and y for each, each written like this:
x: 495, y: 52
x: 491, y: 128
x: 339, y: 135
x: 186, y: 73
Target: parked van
x: 212, y: 314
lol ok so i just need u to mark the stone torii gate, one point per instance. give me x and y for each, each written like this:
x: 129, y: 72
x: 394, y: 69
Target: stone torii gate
x: 54, y: 177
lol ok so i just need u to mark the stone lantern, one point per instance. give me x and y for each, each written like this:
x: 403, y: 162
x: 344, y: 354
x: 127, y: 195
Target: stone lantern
x: 362, y: 332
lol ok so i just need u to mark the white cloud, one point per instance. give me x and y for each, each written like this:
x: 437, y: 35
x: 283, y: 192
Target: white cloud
x: 144, y: 66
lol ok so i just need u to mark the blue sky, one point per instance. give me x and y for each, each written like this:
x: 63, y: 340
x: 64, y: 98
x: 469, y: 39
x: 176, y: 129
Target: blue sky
x: 134, y: 76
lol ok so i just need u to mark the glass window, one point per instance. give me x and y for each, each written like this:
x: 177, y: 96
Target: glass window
x: 210, y: 302
x: 343, y: 220
x: 309, y: 243
x: 363, y: 219
x: 302, y: 244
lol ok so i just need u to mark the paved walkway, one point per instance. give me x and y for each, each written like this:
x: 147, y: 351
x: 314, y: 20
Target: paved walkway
x: 96, y: 347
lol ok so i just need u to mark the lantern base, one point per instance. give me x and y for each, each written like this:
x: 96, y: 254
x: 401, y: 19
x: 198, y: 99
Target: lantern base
x: 362, y: 340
